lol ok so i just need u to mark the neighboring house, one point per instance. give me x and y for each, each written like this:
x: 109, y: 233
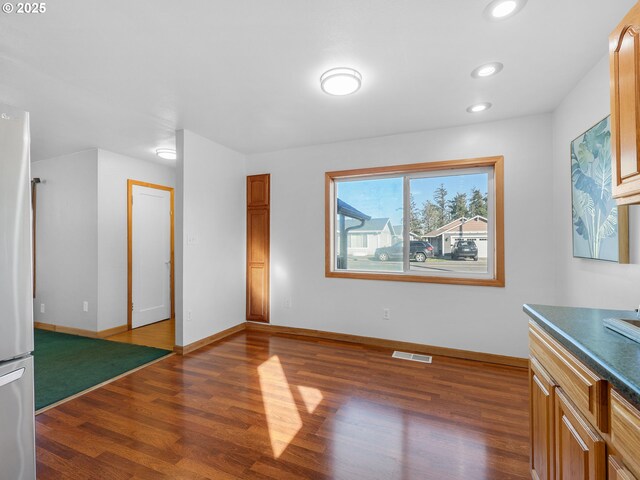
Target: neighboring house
x: 444, y: 238
x: 398, y: 236
x: 375, y: 233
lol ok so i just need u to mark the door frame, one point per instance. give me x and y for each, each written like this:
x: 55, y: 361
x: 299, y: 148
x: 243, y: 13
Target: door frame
x: 130, y: 184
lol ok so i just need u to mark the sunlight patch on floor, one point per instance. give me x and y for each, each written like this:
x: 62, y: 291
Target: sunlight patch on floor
x: 283, y: 418
x: 311, y: 397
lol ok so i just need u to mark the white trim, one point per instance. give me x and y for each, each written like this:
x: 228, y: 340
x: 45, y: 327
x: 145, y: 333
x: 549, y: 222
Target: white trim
x: 406, y: 224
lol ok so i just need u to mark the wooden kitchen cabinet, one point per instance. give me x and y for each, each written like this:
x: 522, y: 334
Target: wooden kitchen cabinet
x: 624, y: 61
x: 567, y: 399
x: 585, y: 389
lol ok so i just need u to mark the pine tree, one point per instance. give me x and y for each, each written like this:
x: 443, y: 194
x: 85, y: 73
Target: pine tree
x: 415, y: 222
x: 431, y: 216
x: 458, y: 206
x: 477, y: 203
x: 440, y: 199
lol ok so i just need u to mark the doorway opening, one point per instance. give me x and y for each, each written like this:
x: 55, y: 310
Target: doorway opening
x: 151, y: 273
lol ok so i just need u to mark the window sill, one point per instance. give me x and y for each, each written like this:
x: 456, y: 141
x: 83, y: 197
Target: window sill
x: 479, y: 282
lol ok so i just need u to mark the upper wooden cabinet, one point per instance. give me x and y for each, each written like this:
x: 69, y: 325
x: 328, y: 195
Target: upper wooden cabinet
x: 258, y: 191
x: 624, y: 58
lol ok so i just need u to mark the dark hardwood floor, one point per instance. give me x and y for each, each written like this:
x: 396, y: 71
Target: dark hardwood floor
x: 261, y: 406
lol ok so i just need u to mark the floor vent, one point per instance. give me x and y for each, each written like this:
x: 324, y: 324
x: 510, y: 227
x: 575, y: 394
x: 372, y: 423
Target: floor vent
x: 412, y: 356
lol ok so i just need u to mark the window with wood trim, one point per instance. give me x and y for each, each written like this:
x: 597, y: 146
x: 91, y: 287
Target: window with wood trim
x: 437, y: 222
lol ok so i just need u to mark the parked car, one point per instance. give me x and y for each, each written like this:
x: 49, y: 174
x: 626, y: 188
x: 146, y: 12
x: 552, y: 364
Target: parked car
x: 418, y: 251
x: 463, y: 249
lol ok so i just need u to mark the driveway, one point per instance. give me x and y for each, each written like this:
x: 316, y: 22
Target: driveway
x: 431, y: 265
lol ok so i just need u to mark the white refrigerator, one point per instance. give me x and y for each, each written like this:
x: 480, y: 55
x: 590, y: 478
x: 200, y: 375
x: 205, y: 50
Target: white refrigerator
x: 17, y: 443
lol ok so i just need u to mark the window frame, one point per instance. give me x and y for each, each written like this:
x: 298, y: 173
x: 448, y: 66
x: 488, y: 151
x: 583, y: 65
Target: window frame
x: 496, y: 163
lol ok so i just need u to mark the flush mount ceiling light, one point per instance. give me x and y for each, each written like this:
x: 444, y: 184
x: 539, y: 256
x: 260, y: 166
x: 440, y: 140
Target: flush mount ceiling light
x: 487, y: 70
x: 479, y: 107
x: 503, y: 9
x: 340, y: 81
x: 166, y: 153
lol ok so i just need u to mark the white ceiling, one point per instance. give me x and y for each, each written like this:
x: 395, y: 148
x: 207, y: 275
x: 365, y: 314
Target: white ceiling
x: 124, y: 75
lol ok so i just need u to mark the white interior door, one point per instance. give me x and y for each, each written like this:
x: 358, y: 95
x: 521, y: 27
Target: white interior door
x: 151, y: 255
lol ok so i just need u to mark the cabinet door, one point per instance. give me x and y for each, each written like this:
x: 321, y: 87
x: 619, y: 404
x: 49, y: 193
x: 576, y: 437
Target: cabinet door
x: 625, y: 431
x: 580, y: 450
x: 258, y: 190
x: 617, y: 470
x: 624, y: 55
x: 542, y: 392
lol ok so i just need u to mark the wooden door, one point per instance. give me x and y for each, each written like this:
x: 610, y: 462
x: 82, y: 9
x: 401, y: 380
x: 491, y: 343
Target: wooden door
x: 580, y: 450
x: 542, y: 391
x: 624, y: 55
x: 258, y: 219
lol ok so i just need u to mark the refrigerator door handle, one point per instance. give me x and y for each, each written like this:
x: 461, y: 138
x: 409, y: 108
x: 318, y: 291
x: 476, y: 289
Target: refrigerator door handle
x: 11, y: 377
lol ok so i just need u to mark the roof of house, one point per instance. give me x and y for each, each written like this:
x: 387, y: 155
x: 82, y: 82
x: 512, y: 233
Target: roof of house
x: 348, y: 211
x: 473, y: 224
x: 398, y: 229
x: 374, y: 225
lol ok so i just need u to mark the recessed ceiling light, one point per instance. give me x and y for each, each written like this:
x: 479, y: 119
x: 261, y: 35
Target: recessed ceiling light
x: 479, y: 107
x: 340, y: 81
x: 166, y: 153
x: 503, y: 9
x: 487, y: 70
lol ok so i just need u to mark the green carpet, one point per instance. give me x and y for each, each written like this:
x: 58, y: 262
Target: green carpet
x: 68, y: 364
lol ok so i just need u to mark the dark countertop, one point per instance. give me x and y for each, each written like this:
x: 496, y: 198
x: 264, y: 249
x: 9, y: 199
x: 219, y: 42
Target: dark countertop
x: 609, y: 354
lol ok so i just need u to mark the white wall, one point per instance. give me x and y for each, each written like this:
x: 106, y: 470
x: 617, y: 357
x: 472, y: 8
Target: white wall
x: 210, y: 235
x: 113, y: 172
x: 67, y: 240
x: 210, y: 211
x: 483, y: 319
x: 82, y: 236
x: 582, y: 282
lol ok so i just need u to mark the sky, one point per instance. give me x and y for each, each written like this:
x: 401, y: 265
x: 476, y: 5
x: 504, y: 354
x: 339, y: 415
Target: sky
x: 383, y: 197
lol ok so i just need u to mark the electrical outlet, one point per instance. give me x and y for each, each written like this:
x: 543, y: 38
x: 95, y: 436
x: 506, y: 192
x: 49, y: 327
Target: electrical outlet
x: 287, y: 303
x: 386, y: 314
x: 85, y: 306
x: 42, y: 308
x: 192, y: 240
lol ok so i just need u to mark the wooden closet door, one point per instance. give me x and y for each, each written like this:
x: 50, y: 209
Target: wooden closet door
x: 258, y: 199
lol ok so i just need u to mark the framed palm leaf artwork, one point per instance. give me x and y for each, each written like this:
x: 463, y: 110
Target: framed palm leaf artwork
x: 598, y: 224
